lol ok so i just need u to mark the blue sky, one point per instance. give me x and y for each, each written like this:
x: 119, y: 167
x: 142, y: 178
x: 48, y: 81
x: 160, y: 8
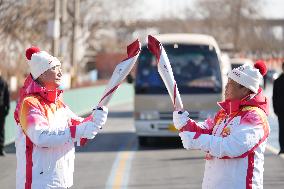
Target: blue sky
x: 274, y: 8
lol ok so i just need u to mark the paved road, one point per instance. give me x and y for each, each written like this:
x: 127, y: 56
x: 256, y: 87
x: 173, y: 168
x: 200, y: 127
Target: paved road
x: 114, y: 160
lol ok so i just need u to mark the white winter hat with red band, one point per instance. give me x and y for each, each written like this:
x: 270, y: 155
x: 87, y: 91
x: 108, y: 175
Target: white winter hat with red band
x: 249, y: 76
x: 40, y: 61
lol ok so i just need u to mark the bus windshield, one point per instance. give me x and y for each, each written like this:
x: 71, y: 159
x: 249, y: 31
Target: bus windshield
x: 196, y: 70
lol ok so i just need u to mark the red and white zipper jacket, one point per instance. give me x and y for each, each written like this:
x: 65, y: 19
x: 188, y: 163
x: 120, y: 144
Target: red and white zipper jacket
x: 44, y: 144
x: 234, y: 141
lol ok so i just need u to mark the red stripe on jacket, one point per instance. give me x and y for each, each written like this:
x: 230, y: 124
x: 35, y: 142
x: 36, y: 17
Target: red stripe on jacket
x: 250, y: 170
x: 29, y: 163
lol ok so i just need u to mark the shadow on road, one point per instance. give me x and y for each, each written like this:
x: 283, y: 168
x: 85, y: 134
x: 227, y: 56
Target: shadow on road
x: 125, y: 114
x: 127, y: 141
x: 185, y: 159
x: 116, y: 114
x: 119, y: 141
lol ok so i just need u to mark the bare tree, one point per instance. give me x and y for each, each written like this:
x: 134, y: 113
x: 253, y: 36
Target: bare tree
x: 229, y: 20
x: 21, y: 24
x: 24, y: 23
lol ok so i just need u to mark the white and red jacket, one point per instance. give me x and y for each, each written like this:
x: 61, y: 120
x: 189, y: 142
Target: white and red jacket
x: 234, y: 141
x: 44, y: 139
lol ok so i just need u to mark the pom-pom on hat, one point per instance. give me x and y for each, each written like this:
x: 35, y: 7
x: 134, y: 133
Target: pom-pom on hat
x: 40, y: 61
x: 249, y: 76
x: 260, y: 65
x: 30, y: 51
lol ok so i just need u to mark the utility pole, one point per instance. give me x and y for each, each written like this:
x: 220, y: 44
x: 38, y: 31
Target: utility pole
x: 74, y: 42
x: 237, y: 24
x: 56, y: 25
x: 63, y: 10
x: 63, y: 32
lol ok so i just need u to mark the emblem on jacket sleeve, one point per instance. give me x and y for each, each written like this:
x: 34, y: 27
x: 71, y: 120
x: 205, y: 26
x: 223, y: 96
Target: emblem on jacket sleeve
x: 226, y: 132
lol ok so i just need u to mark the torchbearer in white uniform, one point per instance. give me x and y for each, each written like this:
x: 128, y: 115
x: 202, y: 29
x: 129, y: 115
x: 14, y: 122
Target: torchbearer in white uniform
x: 47, y: 128
x: 235, y: 140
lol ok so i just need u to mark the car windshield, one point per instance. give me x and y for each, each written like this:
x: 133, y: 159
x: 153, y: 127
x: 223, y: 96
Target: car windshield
x: 196, y: 70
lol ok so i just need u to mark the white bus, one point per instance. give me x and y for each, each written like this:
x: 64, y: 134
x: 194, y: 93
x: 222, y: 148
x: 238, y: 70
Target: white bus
x: 197, y: 68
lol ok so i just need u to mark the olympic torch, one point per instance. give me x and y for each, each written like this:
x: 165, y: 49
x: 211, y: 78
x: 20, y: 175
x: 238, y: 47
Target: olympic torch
x: 119, y: 74
x: 165, y: 71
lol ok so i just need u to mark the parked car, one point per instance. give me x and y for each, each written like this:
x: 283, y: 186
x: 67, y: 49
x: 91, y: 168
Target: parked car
x: 271, y: 75
x: 236, y: 62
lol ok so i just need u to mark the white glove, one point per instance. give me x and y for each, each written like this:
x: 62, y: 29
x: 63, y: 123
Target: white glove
x: 100, y: 116
x: 187, y: 139
x: 87, y: 130
x: 180, y: 120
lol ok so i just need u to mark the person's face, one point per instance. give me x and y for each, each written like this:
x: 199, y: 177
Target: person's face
x: 51, y: 79
x: 234, y: 91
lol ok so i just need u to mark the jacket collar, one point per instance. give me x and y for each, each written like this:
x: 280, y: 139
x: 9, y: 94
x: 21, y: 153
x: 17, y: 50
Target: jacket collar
x: 32, y: 87
x: 256, y: 100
